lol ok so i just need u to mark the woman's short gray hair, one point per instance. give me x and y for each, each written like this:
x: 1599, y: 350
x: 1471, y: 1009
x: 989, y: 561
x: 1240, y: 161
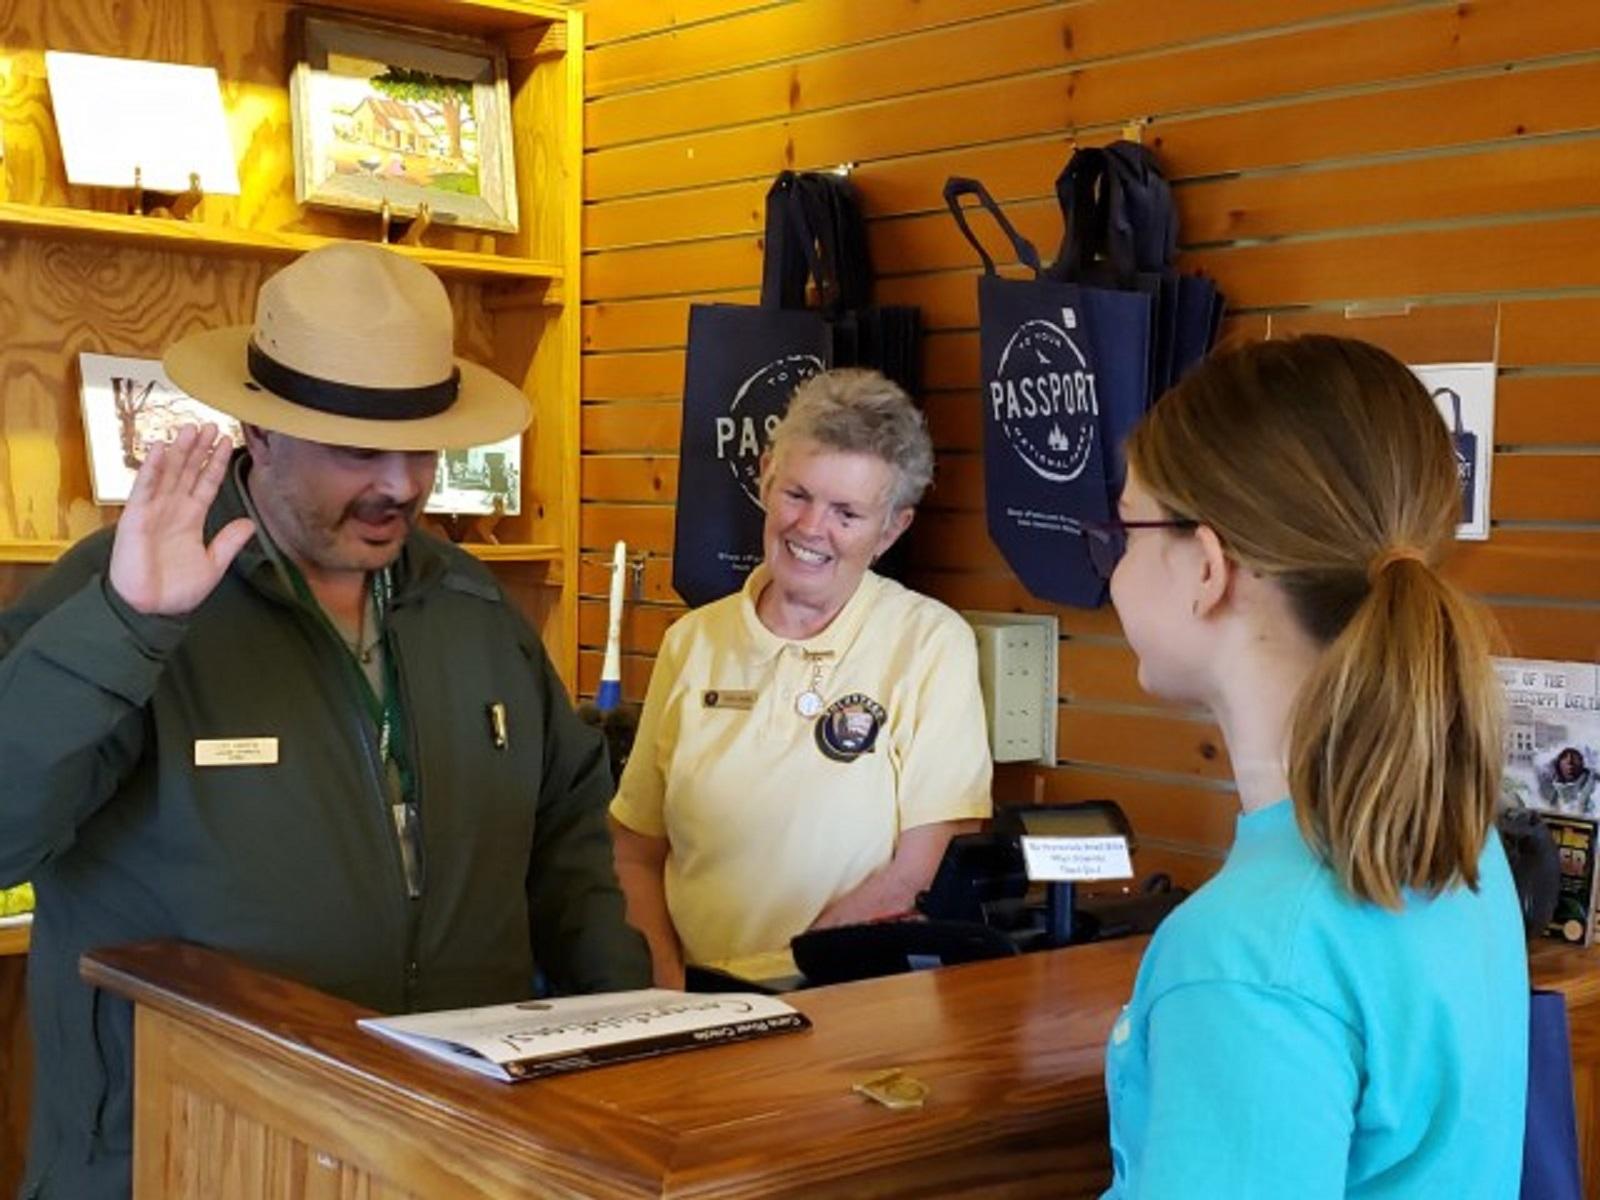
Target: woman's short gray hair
x: 861, y: 412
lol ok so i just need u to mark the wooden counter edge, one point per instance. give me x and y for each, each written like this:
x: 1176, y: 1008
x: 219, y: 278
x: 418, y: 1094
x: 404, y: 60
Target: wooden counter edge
x: 219, y: 995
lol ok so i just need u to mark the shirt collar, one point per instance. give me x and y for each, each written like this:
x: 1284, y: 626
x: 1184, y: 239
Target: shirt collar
x: 838, y: 635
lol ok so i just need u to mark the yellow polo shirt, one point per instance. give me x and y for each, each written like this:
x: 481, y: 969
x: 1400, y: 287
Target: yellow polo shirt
x: 771, y: 814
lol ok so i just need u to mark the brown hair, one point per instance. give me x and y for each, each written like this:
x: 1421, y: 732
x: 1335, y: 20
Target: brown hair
x: 1322, y: 463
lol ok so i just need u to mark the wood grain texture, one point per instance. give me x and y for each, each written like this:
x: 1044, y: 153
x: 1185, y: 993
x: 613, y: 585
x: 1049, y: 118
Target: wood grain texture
x: 1012, y: 1051
x: 16, y: 1071
x: 1444, y: 167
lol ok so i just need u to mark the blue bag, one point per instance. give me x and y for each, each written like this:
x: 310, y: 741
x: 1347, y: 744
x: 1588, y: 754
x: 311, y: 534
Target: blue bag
x: 1044, y: 418
x: 1550, y: 1144
x: 744, y: 362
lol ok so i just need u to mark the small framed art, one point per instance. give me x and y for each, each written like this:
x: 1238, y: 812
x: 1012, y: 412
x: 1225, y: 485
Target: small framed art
x: 482, y: 481
x: 408, y: 116
x: 127, y: 404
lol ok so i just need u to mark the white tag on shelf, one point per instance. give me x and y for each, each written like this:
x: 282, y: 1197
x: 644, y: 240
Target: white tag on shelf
x: 1076, y: 859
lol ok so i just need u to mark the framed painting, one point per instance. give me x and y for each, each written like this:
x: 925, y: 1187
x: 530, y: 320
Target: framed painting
x: 127, y: 404
x: 408, y: 116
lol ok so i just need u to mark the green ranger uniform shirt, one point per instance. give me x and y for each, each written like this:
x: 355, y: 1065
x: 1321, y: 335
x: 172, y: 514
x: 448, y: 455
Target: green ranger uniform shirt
x: 290, y: 857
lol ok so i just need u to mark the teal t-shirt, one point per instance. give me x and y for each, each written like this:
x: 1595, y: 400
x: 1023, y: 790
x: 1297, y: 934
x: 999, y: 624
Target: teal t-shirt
x: 1287, y: 1040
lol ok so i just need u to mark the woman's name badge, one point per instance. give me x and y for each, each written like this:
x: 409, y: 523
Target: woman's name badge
x: 728, y: 698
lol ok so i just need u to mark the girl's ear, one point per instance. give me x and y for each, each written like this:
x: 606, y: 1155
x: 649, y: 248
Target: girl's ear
x: 1216, y: 572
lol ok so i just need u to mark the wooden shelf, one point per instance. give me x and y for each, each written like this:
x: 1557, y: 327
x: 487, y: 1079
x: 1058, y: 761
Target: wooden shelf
x: 31, y: 552
x: 464, y: 16
x: 190, y: 237
x: 14, y: 939
x: 512, y: 551
x: 48, y: 552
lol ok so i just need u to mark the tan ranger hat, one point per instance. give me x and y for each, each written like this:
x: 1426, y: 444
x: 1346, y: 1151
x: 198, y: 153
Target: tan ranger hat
x: 352, y: 346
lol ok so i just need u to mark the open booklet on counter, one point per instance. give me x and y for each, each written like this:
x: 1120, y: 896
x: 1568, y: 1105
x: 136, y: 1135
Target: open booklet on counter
x: 536, y: 1038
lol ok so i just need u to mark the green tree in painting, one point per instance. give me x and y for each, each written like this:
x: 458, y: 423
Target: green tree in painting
x: 451, y: 95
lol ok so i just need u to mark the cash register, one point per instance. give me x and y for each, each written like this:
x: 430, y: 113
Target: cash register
x: 983, y: 903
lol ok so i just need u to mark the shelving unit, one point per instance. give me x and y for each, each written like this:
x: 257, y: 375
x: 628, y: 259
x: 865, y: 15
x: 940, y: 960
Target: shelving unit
x: 189, y: 237
x: 78, y: 273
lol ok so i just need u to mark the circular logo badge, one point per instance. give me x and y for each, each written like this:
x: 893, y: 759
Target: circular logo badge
x: 756, y: 409
x: 848, y: 728
x: 1043, y: 398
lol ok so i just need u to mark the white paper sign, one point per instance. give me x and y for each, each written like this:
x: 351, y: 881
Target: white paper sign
x: 118, y: 114
x: 1076, y: 859
x: 1464, y: 394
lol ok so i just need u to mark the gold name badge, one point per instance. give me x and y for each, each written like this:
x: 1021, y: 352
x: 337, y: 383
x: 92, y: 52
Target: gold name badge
x: 236, y: 752
x: 725, y: 698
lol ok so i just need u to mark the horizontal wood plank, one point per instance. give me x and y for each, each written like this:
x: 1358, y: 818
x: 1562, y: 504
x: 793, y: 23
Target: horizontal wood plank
x: 1438, y: 111
x: 877, y: 67
x: 1175, y: 745
x: 751, y: 34
x: 613, y: 20
x: 1184, y: 812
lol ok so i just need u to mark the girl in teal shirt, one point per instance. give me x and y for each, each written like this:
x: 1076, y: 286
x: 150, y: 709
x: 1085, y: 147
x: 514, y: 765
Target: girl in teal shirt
x: 1342, y: 1011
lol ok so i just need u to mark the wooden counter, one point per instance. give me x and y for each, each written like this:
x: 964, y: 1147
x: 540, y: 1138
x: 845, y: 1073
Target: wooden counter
x: 16, y: 1055
x: 249, y: 1085
x: 252, y: 1086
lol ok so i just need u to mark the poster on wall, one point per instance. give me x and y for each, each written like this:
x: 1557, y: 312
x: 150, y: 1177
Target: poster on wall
x: 1552, y: 735
x: 1552, y: 766
x: 127, y: 404
x: 1464, y: 395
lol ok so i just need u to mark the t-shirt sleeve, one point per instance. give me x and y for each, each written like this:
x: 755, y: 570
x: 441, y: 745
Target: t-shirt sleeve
x: 1253, y: 1092
x: 641, y: 796
x: 945, y: 769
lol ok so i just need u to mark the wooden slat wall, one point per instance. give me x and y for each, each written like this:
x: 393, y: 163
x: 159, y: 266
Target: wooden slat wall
x: 1326, y: 153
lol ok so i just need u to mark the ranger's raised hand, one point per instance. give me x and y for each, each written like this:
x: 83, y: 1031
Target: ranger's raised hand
x: 160, y: 563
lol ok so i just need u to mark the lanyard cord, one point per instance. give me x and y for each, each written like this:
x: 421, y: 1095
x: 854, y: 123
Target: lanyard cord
x: 384, y: 709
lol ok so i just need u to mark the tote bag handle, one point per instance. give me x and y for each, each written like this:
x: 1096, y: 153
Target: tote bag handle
x: 958, y: 186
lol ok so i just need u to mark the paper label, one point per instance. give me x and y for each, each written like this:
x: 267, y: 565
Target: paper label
x: 236, y: 752
x: 1076, y: 859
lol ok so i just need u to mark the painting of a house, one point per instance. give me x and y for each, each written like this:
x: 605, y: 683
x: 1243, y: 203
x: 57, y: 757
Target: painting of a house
x: 383, y: 118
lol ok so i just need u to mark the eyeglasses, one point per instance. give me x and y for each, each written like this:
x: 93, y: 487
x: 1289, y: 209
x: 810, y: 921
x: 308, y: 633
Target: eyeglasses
x: 1108, y: 540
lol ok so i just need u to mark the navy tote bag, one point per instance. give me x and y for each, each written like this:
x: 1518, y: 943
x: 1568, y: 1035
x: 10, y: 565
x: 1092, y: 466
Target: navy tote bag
x: 1550, y: 1144
x: 744, y: 362
x: 1044, y: 418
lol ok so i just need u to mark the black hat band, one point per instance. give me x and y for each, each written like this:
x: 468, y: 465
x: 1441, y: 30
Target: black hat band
x: 351, y: 399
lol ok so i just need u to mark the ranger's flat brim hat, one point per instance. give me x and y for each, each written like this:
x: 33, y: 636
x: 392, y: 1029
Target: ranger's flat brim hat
x: 352, y: 346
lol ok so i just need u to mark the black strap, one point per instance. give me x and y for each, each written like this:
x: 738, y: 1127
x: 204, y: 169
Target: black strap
x: 1143, y: 211
x: 783, y: 264
x: 815, y: 231
x: 958, y: 186
x: 350, y: 399
x: 1120, y: 219
x: 1094, y: 246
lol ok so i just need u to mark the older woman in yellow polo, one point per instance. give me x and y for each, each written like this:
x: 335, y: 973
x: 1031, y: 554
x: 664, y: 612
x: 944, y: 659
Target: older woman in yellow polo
x: 809, y: 744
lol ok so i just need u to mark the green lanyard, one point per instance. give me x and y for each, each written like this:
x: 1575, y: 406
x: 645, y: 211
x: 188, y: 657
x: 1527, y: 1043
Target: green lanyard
x: 385, y: 711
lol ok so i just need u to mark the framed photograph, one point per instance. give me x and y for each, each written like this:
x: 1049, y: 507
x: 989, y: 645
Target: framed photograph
x: 478, y: 480
x: 127, y: 404
x: 389, y: 112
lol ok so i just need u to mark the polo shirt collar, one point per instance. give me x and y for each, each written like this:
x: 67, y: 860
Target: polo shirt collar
x: 841, y: 631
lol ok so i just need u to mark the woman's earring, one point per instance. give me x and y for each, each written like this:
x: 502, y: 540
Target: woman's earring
x: 1194, y: 608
